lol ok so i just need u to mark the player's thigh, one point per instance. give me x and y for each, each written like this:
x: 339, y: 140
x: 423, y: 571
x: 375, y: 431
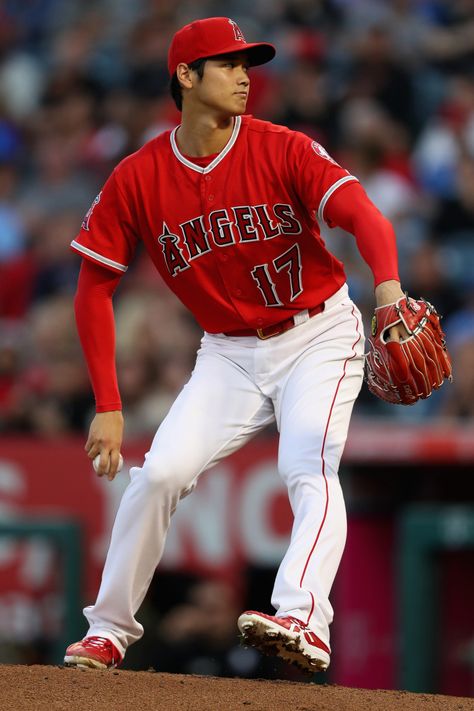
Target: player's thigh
x: 316, y: 402
x: 217, y: 411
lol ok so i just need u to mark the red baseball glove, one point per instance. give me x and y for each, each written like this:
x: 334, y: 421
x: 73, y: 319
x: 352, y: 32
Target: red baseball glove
x: 403, y: 372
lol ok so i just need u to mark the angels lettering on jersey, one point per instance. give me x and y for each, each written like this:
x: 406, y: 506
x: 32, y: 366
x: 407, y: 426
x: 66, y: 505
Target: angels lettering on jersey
x: 222, y: 228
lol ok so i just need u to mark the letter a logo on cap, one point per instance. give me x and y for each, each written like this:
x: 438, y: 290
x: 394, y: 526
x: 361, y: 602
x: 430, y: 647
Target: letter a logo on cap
x: 238, y: 34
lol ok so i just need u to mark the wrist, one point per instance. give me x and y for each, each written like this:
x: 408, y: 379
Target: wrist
x: 388, y: 292
x: 109, y: 407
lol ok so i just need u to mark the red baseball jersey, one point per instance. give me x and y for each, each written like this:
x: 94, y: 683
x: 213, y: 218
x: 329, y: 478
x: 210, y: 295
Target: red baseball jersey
x: 238, y: 240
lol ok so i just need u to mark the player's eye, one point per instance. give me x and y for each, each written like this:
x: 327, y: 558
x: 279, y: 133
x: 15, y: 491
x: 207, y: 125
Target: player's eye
x: 233, y: 63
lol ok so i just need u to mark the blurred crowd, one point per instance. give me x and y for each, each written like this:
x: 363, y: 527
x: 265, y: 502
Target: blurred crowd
x: 387, y: 88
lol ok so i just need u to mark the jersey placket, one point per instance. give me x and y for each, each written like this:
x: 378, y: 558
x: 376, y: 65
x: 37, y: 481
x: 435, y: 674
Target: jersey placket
x: 221, y: 255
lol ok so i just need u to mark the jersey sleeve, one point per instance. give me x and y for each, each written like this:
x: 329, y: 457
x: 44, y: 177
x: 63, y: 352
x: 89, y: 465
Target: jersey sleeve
x: 96, y: 328
x: 352, y: 210
x: 315, y: 174
x: 108, y: 236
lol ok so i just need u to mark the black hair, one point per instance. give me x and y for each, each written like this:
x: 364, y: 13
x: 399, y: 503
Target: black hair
x: 175, y: 87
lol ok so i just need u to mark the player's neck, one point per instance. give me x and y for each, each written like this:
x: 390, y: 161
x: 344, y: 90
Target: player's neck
x: 204, y: 135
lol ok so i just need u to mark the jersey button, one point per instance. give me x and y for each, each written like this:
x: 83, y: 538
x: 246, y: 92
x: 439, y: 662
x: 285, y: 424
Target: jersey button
x: 260, y: 321
x: 207, y: 178
x: 211, y: 198
x: 238, y: 292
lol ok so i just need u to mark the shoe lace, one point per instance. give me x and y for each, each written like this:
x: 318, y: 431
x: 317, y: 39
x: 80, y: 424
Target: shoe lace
x: 97, y: 642
x: 298, y: 623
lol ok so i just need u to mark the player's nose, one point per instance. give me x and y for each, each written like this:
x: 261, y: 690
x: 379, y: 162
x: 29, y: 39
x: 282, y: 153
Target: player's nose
x: 243, y: 79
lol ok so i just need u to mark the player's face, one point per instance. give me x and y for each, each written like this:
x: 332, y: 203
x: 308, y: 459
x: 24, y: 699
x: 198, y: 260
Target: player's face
x: 225, y: 85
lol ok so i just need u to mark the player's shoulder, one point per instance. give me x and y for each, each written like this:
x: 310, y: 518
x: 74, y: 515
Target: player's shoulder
x: 296, y: 142
x: 277, y: 135
x: 259, y: 126
x: 145, y: 156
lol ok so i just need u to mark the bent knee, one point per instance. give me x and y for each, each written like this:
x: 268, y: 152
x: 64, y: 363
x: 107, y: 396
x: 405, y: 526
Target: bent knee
x: 163, y: 477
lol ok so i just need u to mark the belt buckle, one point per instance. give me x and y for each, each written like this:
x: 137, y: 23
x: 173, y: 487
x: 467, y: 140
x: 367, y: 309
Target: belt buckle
x: 262, y: 337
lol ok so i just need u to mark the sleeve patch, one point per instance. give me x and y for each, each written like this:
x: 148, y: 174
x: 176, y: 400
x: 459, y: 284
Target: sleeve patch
x: 87, y: 218
x: 322, y: 152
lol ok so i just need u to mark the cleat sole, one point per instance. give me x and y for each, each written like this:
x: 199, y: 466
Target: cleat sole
x: 274, y: 643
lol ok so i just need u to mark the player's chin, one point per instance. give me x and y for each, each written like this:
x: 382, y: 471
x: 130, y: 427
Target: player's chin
x: 240, y: 108
x: 240, y: 102
x: 233, y: 108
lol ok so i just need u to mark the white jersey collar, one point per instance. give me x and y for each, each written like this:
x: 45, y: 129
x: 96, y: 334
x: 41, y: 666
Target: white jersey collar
x: 217, y: 159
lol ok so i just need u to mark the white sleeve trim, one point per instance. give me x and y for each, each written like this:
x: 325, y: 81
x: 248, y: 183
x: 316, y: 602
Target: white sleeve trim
x: 329, y: 192
x: 98, y: 257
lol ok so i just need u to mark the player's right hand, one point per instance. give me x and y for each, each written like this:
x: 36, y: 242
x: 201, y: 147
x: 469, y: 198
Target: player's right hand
x: 105, y: 438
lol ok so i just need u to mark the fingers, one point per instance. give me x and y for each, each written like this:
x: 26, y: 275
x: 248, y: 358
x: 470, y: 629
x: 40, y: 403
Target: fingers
x: 116, y: 462
x: 91, y: 445
x: 107, y: 464
x: 398, y: 333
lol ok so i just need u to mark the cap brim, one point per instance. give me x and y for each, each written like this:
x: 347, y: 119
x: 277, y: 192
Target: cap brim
x: 258, y: 52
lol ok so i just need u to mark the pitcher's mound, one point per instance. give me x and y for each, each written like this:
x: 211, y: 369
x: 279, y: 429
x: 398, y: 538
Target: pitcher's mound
x: 43, y: 688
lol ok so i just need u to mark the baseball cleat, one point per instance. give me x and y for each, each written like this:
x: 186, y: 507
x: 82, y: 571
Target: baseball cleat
x: 93, y: 653
x: 285, y: 637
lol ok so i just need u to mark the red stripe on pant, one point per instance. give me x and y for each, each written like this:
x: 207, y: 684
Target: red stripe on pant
x: 324, y: 464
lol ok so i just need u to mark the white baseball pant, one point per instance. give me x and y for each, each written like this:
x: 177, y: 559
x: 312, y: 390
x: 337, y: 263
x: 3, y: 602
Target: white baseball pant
x: 306, y: 380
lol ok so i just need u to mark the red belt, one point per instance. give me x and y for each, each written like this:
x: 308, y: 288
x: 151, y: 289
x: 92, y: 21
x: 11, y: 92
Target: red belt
x: 277, y: 328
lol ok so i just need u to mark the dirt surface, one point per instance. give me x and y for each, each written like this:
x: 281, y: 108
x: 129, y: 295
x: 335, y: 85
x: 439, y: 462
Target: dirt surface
x: 43, y: 688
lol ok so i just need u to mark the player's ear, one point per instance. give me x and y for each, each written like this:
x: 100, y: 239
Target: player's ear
x: 184, y: 75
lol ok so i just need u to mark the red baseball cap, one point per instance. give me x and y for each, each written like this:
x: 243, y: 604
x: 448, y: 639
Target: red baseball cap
x: 212, y: 37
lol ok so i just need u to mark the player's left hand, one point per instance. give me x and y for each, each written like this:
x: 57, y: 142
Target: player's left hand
x: 402, y: 369
x: 388, y: 292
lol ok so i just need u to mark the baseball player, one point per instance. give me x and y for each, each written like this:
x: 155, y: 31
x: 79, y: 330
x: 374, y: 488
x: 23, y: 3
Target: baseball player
x: 228, y: 208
